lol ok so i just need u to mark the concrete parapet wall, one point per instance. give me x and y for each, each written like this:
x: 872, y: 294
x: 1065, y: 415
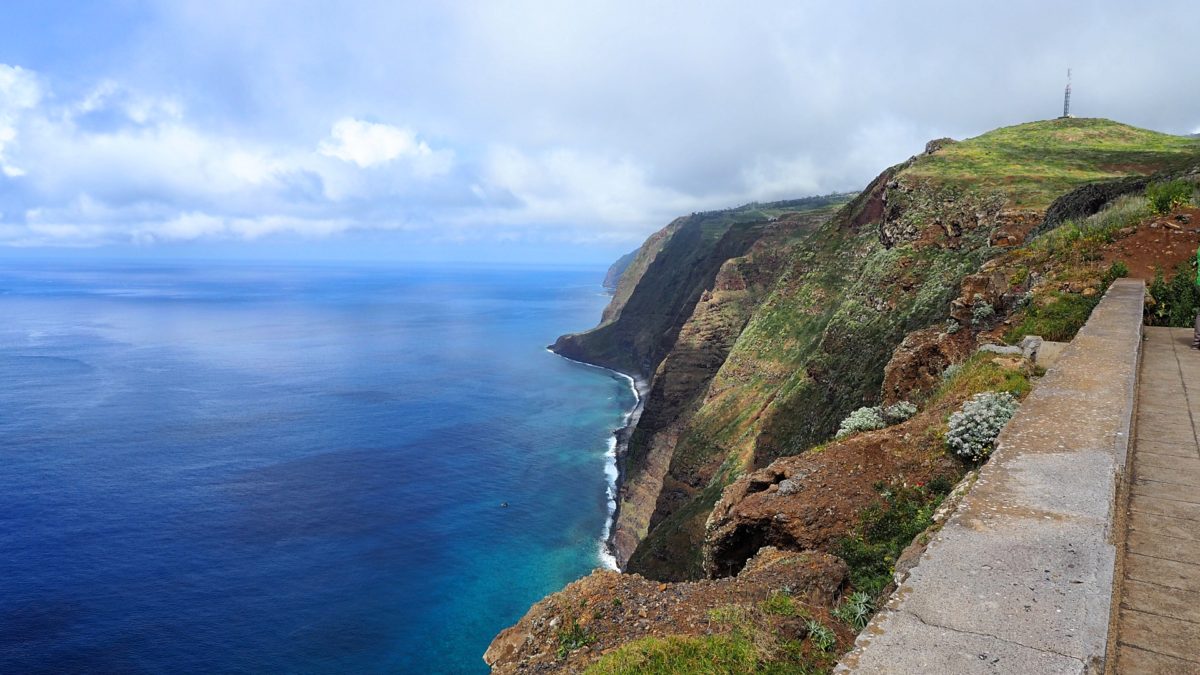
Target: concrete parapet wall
x: 1019, y: 580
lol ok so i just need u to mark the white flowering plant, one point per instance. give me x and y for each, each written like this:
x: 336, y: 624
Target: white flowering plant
x: 974, y: 427
x: 863, y: 419
x: 899, y: 412
x: 871, y: 418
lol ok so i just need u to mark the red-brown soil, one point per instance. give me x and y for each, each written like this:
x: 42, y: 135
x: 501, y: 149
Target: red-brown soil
x: 1162, y: 243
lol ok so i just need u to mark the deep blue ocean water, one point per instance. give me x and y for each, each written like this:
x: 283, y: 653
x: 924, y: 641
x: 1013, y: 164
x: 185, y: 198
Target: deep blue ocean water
x: 291, y: 469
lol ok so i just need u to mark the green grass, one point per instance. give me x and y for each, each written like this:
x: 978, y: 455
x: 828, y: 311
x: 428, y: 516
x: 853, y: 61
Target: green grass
x: 710, y: 654
x: 1167, y: 196
x: 1071, y: 252
x: 884, y: 530
x: 979, y: 374
x: 1057, y: 320
x: 779, y: 603
x: 753, y: 641
x: 1038, y: 161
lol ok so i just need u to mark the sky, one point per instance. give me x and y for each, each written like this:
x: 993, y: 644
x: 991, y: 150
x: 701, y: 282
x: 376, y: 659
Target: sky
x: 517, y: 131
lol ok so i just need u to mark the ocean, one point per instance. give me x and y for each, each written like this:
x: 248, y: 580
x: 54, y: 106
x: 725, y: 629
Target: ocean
x: 301, y: 469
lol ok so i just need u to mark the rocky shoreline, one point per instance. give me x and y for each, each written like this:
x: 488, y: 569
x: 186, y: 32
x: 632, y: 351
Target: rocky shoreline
x: 621, y: 436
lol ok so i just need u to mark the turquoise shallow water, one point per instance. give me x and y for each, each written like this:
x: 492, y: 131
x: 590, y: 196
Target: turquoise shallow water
x: 281, y: 469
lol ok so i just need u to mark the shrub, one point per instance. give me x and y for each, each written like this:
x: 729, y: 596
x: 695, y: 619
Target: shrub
x: 871, y: 418
x: 822, y: 638
x: 951, y: 370
x: 1117, y: 270
x: 899, y: 412
x: 884, y: 529
x: 974, y: 428
x: 1165, y: 197
x: 982, y: 313
x: 573, y: 637
x: 864, y: 419
x: 856, y: 610
x: 1175, y: 301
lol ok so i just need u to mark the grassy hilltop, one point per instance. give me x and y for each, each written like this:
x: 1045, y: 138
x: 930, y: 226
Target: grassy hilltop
x: 1036, y: 162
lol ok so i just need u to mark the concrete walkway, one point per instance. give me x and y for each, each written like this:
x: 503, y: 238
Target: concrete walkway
x: 1158, y: 625
x: 1020, y: 579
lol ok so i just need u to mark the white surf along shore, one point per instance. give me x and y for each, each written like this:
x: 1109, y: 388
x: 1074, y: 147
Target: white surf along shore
x: 617, y: 445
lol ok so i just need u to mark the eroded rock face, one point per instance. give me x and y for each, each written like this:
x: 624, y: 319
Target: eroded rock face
x: 937, y: 144
x: 612, y: 609
x: 659, y: 476
x: 1013, y: 227
x: 917, y: 364
x: 991, y: 286
x: 810, y: 501
x: 701, y: 348
x: 914, y: 211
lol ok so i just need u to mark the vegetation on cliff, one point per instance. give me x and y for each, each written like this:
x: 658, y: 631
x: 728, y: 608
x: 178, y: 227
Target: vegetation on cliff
x: 666, y: 278
x: 1035, y: 163
x: 973, y: 242
x: 848, y: 292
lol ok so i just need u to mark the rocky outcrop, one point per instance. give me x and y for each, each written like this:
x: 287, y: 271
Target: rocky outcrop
x: 810, y: 501
x: 937, y: 144
x: 917, y: 365
x: 933, y: 215
x: 607, y: 609
x: 1088, y: 199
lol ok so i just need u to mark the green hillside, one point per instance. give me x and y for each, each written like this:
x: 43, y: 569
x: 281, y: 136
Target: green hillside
x: 1034, y: 163
x: 887, y: 264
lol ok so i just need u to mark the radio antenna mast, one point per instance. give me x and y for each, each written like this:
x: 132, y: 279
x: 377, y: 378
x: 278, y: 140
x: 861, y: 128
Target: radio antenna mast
x: 1067, y: 97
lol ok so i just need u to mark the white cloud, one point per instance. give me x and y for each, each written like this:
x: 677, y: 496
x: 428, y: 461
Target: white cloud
x: 193, y: 225
x: 531, y: 119
x: 19, y: 92
x: 118, y: 165
x: 371, y: 144
x: 584, y: 196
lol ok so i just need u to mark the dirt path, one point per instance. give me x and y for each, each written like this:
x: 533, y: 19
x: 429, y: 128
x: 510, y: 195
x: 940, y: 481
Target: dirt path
x: 1158, y: 626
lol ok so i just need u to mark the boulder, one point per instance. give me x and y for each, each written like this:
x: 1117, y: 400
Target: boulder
x: 917, y: 364
x: 1030, y: 344
x: 1004, y: 350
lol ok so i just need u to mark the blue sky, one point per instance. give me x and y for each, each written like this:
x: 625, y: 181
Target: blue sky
x: 517, y: 131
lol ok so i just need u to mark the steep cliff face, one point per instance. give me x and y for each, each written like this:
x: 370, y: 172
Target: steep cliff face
x: 666, y: 279
x: 808, y: 317
x: 848, y: 292
x: 653, y: 468
x: 612, y: 278
x: 813, y: 350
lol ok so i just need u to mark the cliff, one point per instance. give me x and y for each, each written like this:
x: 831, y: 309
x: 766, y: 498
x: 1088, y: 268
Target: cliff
x: 612, y: 278
x: 666, y: 279
x: 759, y: 335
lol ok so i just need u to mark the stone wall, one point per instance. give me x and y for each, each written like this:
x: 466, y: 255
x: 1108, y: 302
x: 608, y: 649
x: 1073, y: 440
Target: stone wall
x: 1020, y: 578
